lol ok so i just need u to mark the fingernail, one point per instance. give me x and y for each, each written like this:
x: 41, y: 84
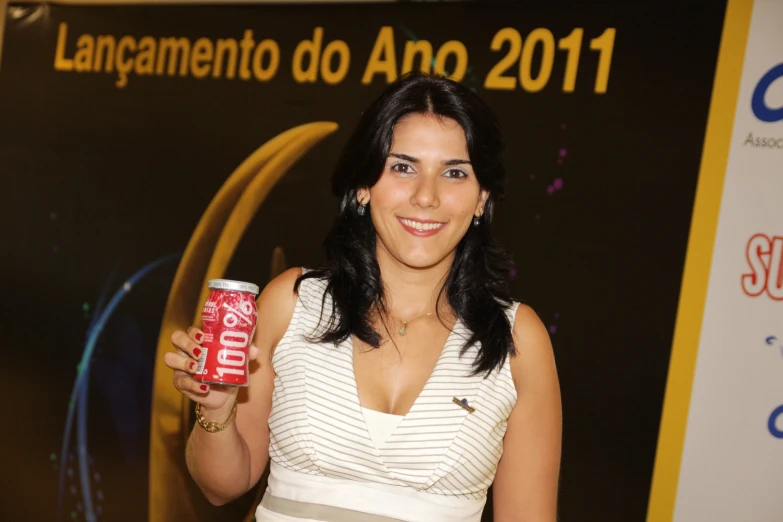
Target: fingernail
x: 197, y: 352
x: 203, y: 387
x: 192, y: 365
x: 199, y: 336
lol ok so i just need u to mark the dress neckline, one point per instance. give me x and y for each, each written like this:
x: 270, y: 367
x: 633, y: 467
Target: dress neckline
x: 443, y: 350
x: 348, y: 343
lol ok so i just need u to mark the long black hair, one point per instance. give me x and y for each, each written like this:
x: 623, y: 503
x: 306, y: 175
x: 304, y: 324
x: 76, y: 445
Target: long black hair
x: 477, y: 284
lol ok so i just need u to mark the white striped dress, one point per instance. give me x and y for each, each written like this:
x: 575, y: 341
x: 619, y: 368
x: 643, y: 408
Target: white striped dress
x: 435, y: 466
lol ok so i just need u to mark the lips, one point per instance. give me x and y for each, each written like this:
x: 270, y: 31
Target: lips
x: 421, y: 228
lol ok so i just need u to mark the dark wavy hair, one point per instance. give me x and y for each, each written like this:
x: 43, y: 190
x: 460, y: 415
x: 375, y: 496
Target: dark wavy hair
x: 477, y: 284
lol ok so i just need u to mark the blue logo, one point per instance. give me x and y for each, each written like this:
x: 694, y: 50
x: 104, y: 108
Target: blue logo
x: 760, y: 108
x: 773, y: 429
x: 777, y: 412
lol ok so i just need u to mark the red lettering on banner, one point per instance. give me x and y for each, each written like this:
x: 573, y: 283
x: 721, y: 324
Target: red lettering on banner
x: 765, y: 260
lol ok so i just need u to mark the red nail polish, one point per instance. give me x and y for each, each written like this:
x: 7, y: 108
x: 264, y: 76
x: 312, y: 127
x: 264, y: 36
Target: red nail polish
x: 199, y: 336
x: 197, y: 352
x: 203, y: 387
x: 192, y: 365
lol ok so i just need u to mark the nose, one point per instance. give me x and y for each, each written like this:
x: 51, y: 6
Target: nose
x: 425, y: 191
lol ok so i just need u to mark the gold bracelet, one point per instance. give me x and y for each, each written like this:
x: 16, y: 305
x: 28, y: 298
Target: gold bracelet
x: 214, y: 427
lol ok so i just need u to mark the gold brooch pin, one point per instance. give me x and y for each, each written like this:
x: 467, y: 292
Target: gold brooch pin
x: 463, y: 404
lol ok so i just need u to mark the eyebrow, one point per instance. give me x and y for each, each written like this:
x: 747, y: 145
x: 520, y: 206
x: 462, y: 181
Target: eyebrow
x: 447, y: 163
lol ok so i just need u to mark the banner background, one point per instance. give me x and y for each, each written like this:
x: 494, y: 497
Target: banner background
x: 733, y: 442
x: 105, y: 180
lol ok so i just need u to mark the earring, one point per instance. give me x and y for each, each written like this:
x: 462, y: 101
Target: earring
x: 476, y: 221
x: 361, y: 210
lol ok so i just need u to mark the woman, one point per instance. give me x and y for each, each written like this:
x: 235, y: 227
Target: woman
x: 401, y: 381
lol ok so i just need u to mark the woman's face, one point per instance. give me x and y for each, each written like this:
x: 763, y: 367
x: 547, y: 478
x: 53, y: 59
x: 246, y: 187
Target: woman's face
x: 428, y: 194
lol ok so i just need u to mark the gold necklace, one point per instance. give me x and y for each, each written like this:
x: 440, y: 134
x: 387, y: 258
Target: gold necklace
x: 404, y: 329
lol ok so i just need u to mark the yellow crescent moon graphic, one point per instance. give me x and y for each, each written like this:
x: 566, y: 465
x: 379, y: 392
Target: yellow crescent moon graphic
x: 172, y: 493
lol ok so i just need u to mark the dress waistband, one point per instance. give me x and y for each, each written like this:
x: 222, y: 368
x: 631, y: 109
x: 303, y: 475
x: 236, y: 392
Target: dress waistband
x: 316, y: 497
x: 297, y: 508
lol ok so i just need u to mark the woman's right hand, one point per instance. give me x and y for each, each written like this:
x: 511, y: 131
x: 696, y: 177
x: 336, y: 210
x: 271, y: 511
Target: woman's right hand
x: 184, y: 363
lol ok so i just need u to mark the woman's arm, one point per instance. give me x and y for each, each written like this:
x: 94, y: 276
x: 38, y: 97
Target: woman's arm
x: 526, y: 483
x: 227, y: 464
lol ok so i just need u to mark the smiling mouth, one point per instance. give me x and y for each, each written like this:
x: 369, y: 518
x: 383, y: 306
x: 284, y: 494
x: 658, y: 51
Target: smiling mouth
x: 421, y: 228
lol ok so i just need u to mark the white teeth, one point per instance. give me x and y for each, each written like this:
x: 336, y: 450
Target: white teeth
x: 421, y: 226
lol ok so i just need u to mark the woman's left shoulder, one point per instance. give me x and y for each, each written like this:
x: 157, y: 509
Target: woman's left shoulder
x: 532, y: 345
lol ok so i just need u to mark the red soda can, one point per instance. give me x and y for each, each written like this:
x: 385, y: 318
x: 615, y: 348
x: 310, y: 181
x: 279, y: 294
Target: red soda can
x: 228, y: 321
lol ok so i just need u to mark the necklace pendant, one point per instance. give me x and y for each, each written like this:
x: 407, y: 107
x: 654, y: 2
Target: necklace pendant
x: 404, y: 329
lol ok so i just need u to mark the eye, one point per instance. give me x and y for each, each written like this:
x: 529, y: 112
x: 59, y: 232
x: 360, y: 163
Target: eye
x: 402, y: 168
x: 455, y: 174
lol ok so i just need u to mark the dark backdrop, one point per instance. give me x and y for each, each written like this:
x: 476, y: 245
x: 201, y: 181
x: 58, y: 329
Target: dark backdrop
x: 101, y: 181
